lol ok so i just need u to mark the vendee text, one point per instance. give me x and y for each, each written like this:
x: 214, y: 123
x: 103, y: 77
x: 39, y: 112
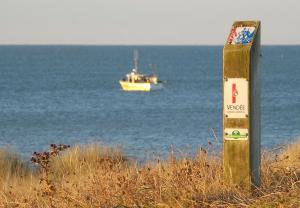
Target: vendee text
x: 236, y: 107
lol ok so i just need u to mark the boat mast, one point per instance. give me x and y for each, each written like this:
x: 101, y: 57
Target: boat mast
x: 136, y: 59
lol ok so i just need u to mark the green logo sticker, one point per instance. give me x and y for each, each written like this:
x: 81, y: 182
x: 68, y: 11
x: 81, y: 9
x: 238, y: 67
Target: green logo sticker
x: 236, y: 135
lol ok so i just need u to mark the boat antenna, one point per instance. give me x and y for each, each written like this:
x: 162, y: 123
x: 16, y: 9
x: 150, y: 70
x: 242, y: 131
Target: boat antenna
x: 136, y: 59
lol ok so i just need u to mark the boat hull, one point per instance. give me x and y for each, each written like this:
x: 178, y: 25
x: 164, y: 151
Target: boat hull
x: 129, y: 86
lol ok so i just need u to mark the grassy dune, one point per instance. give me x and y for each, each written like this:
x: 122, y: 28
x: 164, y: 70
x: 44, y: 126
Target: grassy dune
x: 94, y: 176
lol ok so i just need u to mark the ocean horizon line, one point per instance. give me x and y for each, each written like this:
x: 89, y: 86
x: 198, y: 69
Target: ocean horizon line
x: 142, y: 45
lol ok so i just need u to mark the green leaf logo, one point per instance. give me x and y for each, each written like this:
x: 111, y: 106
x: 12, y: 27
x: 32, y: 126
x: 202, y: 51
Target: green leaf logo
x: 236, y: 135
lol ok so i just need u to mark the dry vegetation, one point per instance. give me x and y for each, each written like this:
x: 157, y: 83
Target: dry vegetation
x: 94, y: 176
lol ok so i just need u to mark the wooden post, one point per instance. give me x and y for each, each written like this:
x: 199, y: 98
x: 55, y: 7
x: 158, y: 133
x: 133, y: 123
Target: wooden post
x: 241, y: 105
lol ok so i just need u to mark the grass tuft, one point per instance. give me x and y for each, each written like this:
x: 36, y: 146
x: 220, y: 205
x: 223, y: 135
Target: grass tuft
x: 96, y: 176
x: 12, y: 166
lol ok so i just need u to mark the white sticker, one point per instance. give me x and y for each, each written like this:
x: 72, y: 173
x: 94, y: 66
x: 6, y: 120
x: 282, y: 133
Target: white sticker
x: 236, y: 98
x: 235, y: 134
x: 241, y: 35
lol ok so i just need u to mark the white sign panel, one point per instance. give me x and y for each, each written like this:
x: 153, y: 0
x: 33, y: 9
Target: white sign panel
x: 236, y: 98
x: 235, y: 134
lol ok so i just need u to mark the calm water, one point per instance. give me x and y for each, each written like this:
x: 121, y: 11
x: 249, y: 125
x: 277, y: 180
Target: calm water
x: 71, y: 95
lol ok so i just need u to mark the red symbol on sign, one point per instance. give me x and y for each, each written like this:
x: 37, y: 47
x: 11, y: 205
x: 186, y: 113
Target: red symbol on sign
x: 232, y: 35
x: 234, y: 93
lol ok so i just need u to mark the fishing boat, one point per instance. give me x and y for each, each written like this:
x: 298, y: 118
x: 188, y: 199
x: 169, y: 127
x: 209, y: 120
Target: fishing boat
x: 136, y: 81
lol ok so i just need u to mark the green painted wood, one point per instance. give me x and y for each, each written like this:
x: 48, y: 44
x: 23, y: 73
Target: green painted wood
x: 241, y: 159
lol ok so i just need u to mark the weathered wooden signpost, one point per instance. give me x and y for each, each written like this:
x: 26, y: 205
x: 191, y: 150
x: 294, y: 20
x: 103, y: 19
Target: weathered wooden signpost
x: 241, y: 105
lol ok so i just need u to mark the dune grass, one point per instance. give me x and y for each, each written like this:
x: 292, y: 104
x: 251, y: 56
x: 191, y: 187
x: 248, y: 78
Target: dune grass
x: 12, y: 167
x: 95, y: 176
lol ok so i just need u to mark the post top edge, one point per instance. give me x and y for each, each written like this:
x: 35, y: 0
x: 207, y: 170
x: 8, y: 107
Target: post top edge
x: 255, y: 23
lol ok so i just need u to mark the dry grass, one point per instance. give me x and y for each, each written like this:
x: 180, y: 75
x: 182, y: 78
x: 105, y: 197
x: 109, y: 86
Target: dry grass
x: 95, y: 176
x: 12, y: 168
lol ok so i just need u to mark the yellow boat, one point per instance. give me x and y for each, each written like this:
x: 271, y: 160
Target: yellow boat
x: 136, y: 81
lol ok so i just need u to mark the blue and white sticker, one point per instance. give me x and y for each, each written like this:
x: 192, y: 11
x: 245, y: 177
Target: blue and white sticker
x: 241, y: 35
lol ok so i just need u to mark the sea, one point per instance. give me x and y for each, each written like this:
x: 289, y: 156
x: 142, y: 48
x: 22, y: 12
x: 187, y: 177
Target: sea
x: 71, y: 95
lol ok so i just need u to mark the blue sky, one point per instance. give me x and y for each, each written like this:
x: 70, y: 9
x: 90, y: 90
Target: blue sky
x: 146, y: 22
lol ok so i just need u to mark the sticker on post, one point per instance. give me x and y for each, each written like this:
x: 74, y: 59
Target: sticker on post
x: 236, y: 98
x: 235, y: 134
x: 241, y: 35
